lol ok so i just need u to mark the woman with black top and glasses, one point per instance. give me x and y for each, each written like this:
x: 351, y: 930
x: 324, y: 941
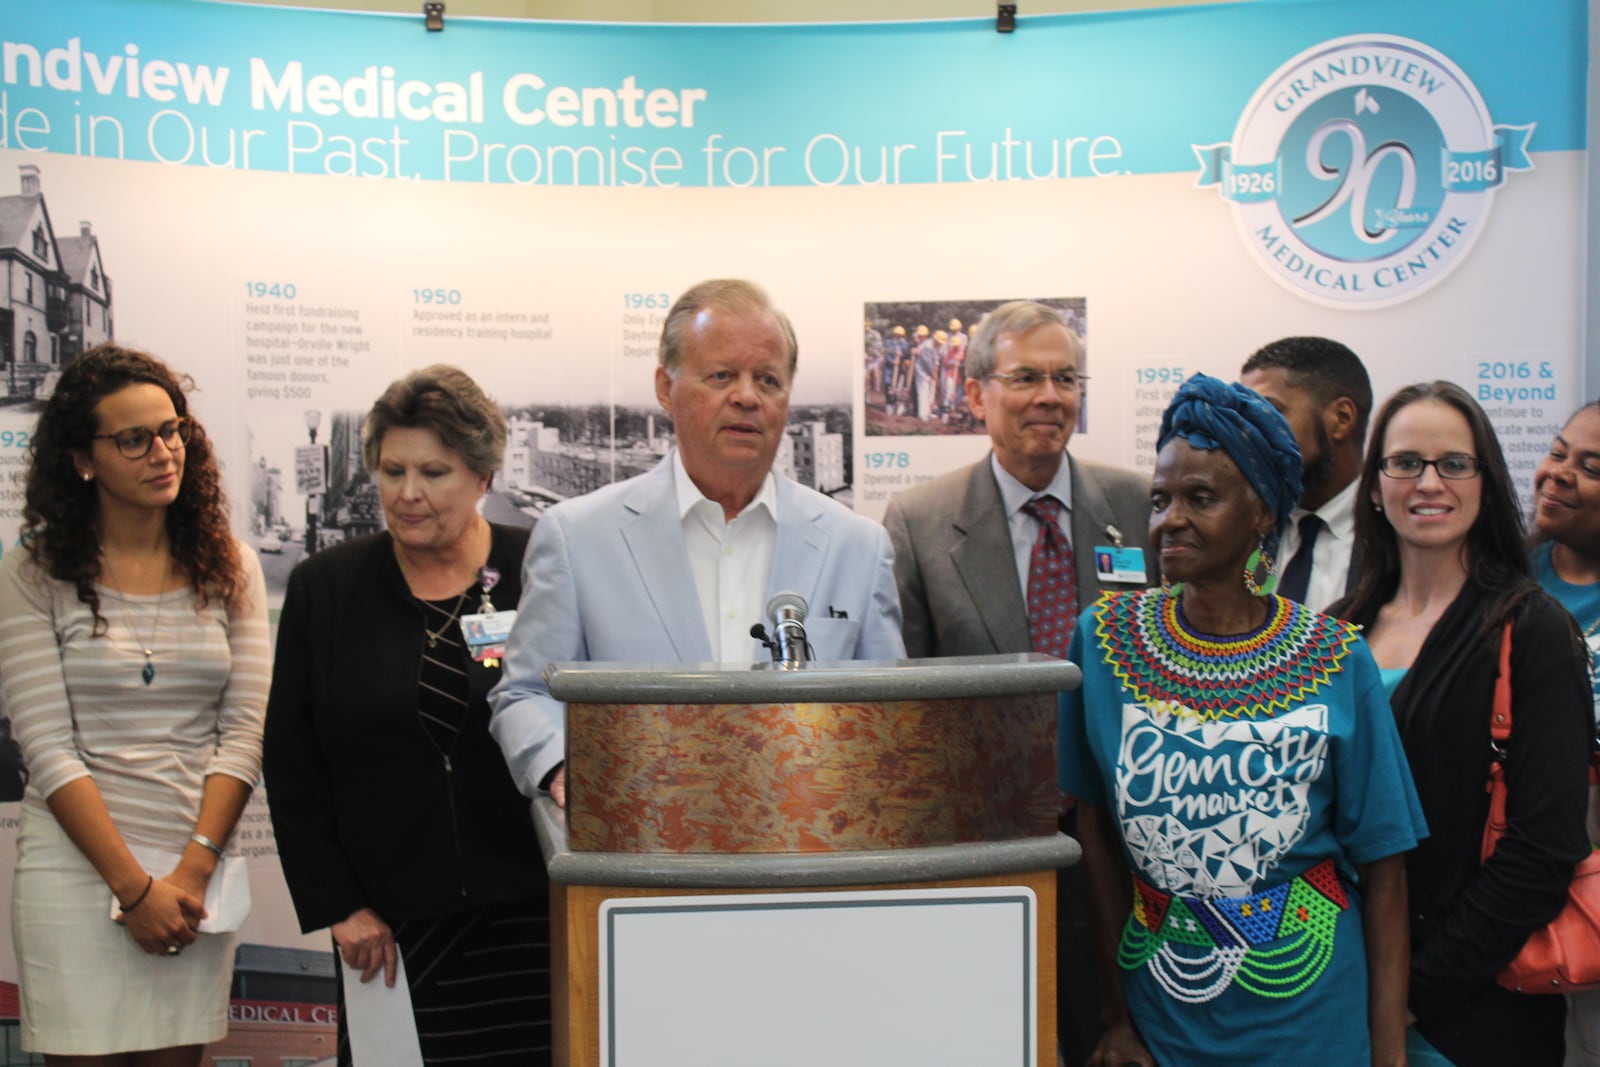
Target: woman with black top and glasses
x: 1445, y: 569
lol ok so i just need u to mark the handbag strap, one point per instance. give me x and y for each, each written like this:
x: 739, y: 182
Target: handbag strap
x: 1494, y: 826
x: 1500, y: 717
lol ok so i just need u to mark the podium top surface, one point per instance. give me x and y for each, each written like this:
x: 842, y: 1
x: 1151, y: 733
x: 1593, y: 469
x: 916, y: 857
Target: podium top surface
x: 791, y: 870
x: 854, y: 680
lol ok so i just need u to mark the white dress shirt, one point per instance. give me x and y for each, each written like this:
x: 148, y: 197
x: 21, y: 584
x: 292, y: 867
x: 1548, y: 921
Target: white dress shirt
x: 1330, y: 556
x: 731, y: 562
x: 1024, y: 527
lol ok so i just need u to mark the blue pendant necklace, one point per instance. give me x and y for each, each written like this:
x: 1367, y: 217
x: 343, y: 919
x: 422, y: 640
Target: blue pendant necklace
x: 148, y: 672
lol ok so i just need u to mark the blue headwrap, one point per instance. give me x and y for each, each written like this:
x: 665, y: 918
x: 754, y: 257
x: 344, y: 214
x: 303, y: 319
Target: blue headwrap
x: 1210, y: 414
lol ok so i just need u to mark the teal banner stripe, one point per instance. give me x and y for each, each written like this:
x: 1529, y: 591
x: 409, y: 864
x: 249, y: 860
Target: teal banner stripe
x: 656, y: 105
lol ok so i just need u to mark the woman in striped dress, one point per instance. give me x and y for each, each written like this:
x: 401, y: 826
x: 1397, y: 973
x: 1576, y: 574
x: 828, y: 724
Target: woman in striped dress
x: 397, y: 822
x: 134, y: 658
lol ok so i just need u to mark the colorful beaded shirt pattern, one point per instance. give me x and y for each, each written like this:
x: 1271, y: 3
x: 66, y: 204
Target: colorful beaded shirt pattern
x: 1212, y: 921
x: 1165, y: 664
x: 1273, y: 943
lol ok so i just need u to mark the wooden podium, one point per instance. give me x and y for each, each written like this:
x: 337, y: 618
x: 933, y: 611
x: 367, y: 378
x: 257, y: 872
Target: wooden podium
x: 837, y: 863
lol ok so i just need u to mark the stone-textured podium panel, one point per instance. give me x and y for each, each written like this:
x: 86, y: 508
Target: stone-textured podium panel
x: 811, y: 776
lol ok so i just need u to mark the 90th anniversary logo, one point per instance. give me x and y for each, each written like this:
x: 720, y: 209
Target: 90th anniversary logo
x: 1363, y: 170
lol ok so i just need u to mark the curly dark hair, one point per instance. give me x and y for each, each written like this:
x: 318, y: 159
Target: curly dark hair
x: 61, y: 519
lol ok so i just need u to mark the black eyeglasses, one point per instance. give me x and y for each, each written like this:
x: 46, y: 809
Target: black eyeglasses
x: 1452, y: 466
x: 1026, y: 379
x: 136, y: 441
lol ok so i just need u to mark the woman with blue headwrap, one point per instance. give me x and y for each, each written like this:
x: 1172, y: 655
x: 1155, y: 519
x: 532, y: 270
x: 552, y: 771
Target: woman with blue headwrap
x: 1234, y: 752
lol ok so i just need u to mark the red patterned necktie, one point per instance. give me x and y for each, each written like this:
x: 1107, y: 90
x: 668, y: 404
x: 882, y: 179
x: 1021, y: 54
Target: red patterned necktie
x: 1052, y: 581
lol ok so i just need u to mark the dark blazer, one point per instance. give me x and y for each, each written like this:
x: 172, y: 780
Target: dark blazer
x: 954, y: 564
x: 366, y: 810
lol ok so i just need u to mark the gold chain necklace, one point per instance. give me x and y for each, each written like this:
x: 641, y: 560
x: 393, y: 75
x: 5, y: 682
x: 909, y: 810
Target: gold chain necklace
x: 434, y: 635
x: 148, y: 673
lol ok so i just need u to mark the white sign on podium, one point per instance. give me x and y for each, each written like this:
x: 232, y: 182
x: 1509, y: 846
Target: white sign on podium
x: 935, y: 977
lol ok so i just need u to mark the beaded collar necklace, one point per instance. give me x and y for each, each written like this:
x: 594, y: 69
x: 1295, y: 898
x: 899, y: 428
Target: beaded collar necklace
x: 1154, y: 654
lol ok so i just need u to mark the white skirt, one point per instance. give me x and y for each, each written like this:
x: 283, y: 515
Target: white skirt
x: 86, y: 988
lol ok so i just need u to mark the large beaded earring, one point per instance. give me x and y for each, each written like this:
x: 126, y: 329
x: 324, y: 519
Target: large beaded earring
x: 1264, y: 561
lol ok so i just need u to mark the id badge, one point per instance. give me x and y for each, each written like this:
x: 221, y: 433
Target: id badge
x: 486, y: 634
x: 1114, y: 564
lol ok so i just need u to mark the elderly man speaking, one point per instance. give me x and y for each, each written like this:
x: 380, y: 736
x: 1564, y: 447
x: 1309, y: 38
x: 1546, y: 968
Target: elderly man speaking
x: 675, y: 565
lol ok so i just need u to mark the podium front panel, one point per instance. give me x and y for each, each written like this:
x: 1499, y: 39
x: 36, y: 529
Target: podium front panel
x: 811, y: 776
x: 934, y: 977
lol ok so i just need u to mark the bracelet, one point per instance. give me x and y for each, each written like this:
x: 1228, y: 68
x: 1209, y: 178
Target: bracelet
x: 206, y: 843
x: 140, y: 898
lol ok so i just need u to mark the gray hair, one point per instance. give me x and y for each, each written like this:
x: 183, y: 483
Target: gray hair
x: 447, y: 401
x: 727, y: 294
x: 1014, y: 317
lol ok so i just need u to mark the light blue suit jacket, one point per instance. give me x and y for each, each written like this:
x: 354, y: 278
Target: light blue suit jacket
x: 607, y: 577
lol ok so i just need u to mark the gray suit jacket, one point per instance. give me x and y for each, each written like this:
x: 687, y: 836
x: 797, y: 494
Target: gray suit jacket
x: 953, y: 561
x: 606, y: 577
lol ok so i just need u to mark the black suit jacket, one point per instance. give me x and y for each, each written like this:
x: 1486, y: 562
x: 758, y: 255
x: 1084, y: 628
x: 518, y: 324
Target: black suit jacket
x: 366, y: 810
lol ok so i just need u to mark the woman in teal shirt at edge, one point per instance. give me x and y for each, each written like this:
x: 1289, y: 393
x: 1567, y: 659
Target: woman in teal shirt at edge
x: 1566, y: 562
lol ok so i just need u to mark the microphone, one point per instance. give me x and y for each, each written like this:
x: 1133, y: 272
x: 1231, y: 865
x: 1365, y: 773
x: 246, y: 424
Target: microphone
x: 788, y: 614
x: 759, y: 632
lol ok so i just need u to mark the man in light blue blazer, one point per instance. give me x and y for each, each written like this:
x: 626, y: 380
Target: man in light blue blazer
x: 675, y: 565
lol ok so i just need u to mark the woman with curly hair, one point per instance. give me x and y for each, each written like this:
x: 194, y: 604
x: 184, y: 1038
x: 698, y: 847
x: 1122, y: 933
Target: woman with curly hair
x: 135, y: 664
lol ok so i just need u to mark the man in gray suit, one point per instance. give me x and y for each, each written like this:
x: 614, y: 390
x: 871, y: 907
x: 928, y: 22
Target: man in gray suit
x: 673, y: 566
x: 962, y: 543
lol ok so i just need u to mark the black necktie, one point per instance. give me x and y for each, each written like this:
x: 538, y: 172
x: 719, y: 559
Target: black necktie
x: 1297, y: 575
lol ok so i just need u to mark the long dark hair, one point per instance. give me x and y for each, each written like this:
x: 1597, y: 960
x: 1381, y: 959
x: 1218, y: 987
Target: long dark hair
x: 61, y: 518
x: 1496, y: 558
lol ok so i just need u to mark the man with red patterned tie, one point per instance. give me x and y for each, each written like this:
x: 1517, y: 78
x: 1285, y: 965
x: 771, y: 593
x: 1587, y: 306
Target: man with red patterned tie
x: 1000, y: 556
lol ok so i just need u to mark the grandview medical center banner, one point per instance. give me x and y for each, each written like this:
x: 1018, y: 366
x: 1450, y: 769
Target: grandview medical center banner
x: 296, y: 207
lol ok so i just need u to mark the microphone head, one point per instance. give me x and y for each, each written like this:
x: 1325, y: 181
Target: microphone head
x: 793, y: 601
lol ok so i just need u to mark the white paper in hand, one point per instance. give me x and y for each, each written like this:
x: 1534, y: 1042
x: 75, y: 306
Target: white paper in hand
x: 227, y: 900
x: 382, y: 1028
